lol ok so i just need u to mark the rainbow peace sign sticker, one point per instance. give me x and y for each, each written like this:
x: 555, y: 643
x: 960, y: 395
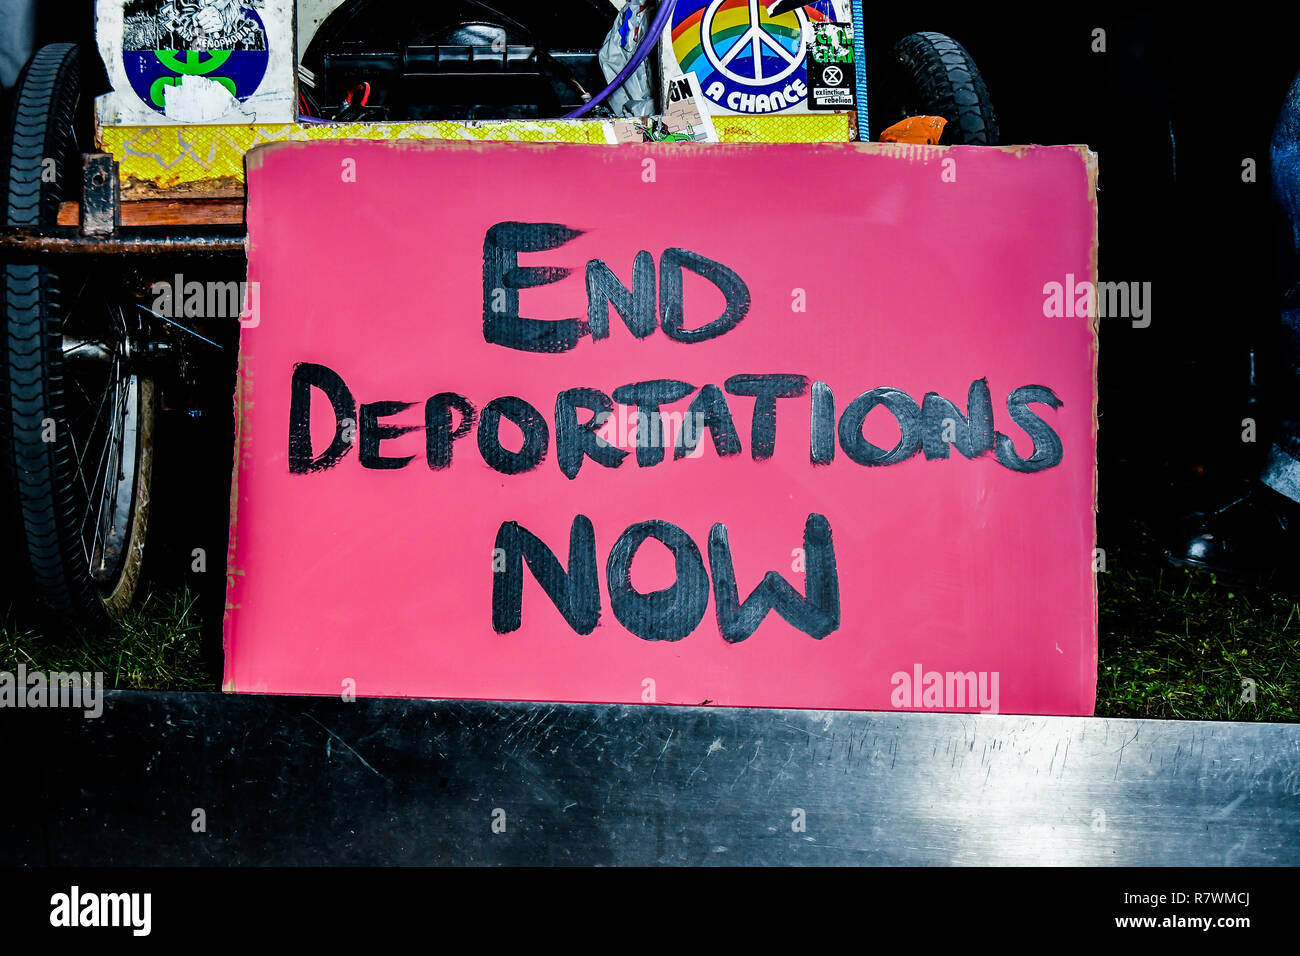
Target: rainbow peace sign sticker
x: 747, y: 61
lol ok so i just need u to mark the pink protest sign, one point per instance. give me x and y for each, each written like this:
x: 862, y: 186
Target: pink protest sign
x: 778, y: 426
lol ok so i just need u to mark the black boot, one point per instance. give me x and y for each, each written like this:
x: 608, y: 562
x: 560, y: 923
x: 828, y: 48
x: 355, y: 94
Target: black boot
x: 1255, y: 533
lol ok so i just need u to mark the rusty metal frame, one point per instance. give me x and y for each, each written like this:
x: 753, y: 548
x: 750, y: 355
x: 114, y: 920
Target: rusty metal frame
x: 37, y: 244
x: 101, y: 208
x: 101, y: 233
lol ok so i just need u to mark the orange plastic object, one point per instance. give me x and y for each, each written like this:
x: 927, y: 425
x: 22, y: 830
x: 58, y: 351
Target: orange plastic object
x: 922, y: 130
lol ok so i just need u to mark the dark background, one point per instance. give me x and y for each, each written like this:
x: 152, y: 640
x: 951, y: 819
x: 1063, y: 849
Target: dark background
x: 1172, y: 107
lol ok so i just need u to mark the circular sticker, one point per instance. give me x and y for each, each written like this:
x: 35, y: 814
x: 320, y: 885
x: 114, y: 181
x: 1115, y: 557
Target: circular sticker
x: 220, y: 41
x: 747, y: 61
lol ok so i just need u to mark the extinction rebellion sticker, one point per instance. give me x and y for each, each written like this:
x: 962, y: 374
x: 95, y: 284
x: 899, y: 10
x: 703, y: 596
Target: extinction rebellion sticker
x: 830, y: 67
x: 747, y: 60
x: 166, y: 41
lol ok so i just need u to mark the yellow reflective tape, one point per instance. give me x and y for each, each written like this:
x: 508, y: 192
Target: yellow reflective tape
x: 166, y: 157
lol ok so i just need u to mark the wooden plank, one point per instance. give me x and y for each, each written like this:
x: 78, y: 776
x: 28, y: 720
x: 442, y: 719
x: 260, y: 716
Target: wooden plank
x: 167, y: 212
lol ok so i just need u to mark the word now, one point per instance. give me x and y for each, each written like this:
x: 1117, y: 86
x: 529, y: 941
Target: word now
x: 671, y: 613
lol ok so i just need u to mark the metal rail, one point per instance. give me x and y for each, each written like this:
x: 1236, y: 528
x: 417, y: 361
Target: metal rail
x: 298, y: 780
x: 32, y: 244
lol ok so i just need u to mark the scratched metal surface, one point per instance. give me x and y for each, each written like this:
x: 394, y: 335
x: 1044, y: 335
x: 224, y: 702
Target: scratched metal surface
x: 304, y: 780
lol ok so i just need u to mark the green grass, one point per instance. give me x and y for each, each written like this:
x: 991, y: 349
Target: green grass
x: 1178, y: 644
x: 156, y: 647
x: 1174, y: 644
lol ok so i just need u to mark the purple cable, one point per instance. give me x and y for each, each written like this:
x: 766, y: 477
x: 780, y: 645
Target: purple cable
x: 648, y: 43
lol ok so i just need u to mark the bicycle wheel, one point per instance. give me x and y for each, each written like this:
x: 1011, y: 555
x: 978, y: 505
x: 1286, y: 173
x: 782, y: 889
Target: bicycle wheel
x: 77, y: 411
